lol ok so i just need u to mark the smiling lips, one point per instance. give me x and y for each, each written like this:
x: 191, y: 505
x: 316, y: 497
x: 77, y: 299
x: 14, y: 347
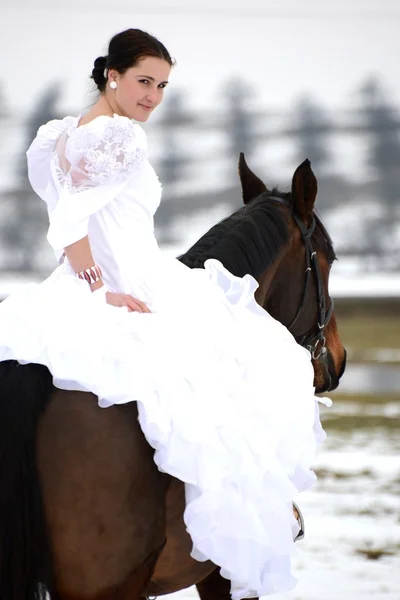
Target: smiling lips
x: 148, y: 108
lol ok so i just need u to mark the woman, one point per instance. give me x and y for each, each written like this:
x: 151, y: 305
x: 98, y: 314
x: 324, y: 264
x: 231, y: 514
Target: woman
x: 121, y: 320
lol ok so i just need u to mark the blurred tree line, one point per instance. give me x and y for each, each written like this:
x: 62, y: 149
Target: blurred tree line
x: 308, y: 129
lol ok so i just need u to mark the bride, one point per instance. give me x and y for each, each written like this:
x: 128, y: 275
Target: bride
x: 122, y: 320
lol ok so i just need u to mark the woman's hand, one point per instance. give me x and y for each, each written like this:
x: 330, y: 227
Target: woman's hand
x: 131, y: 303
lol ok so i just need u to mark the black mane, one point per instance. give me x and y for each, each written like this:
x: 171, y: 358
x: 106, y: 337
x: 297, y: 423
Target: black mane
x: 248, y: 241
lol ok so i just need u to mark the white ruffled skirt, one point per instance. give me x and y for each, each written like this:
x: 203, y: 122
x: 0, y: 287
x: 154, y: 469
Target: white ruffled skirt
x: 225, y: 397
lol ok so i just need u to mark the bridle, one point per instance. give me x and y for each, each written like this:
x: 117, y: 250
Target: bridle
x: 314, y: 342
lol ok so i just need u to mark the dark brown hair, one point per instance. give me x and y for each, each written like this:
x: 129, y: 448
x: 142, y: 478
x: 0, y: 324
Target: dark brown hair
x: 125, y: 50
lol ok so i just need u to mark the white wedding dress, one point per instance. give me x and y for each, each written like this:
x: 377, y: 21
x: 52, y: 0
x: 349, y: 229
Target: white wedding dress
x: 225, y: 394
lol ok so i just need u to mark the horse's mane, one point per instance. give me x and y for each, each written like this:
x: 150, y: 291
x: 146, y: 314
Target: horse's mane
x: 248, y: 241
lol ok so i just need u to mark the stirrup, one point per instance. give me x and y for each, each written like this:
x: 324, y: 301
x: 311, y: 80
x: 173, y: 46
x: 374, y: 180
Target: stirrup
x: 300, y: 520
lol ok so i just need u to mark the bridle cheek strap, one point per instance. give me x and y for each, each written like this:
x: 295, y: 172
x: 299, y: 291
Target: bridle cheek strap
x: 314, y: 342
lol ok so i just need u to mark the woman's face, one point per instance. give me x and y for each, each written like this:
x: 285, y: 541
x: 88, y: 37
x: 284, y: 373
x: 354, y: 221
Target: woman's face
x: 140, y: 89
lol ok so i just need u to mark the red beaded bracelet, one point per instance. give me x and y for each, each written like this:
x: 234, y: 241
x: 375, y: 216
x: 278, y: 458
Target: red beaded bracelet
x: 91, y: 275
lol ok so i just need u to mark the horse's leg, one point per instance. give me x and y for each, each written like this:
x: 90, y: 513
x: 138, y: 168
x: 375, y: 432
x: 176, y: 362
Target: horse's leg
x: 176, y: 569
x: 215, y: 587
x: 104, y: 498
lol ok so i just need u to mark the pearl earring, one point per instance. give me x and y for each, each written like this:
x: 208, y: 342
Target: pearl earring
x: 113, y: 85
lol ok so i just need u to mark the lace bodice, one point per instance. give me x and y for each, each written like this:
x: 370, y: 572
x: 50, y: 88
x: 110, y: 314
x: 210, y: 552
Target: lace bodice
x: 103, y: 151
x: 80, y: 171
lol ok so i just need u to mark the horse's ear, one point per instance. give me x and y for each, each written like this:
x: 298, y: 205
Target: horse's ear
x: 252, y: 186
x: 304, y: 191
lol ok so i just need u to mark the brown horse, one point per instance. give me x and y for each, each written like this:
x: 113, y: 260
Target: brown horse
x: 84, y: 512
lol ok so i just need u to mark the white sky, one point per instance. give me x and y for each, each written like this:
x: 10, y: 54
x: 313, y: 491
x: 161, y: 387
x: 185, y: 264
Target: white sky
x: 282, y: 48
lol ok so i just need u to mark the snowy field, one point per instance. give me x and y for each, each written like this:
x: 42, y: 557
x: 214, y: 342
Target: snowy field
x: 352, y: 546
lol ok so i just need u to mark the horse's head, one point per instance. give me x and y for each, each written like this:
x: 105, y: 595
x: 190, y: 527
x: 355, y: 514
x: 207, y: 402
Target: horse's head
x: 294, y: 289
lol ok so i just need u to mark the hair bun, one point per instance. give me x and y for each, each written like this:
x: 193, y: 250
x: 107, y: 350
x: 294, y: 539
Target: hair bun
x: 100, y: 62
x: 98, y: 71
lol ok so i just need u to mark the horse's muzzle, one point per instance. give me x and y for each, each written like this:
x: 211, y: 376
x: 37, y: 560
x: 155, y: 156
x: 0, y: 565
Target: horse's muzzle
x: 327, y: 378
